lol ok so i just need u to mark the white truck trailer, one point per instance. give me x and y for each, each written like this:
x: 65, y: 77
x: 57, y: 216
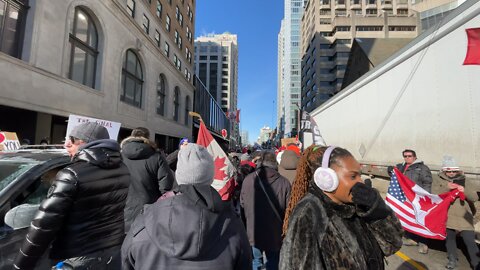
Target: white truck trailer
x: 421, y: 98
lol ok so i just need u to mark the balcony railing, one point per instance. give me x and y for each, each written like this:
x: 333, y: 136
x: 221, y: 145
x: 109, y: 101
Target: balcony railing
x: 212, y: 114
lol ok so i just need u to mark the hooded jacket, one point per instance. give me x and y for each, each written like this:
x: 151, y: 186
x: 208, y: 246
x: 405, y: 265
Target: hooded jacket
x: 323, y: 235
x: 418, y: 173
x: 288, y: 165
x: 150, y: 175
x: 191, y: 228
x: 460, y: 213
x: 83, y: 210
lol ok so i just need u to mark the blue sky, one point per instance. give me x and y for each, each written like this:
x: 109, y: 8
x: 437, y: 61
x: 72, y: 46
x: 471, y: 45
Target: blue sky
x: 256, y: 24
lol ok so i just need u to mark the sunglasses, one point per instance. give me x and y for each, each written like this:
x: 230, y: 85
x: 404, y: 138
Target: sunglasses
x: 405, y: 156
x: 73, y: 139
x: 451, y: 171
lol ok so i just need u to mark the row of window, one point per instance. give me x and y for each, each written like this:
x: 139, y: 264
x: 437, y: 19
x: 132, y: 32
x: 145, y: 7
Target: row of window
x: 368, y: 2
x: 359, y: 12
x: 83, y: 62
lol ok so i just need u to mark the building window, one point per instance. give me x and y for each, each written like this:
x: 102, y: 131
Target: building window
x: 177, y: 62
x: 161, y: 95
x: 371, y: 11
x: 167, y: 49
x: 180, y: 19
x: 369, y: 28
x: 167, y: 23
x: 402, y: 12
x: 157, y: 38
x: 176, y: 103
x: 12, y: 24
x: 159, y: 9
x: 131, y: 7
x: 146, y: 24
x: 83, y: 52
x: 401, y: 28
x: 132, y: 80
x: 187, y: 109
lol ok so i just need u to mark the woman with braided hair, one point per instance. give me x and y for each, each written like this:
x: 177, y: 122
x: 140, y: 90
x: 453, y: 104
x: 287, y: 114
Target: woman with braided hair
x: 334, y: 220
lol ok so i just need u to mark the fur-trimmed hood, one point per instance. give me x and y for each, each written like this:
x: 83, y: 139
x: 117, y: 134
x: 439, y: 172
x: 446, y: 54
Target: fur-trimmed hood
x: 137, y: 148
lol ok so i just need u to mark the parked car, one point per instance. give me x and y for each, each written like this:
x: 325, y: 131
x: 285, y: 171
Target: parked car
x: 25, y: 177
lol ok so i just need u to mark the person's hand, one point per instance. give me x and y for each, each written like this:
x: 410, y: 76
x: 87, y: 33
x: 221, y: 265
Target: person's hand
x: 390, y: 170
x: 455, y: 186
x: 364, y: 195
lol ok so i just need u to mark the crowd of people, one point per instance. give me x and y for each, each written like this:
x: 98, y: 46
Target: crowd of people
x: 128, y: 206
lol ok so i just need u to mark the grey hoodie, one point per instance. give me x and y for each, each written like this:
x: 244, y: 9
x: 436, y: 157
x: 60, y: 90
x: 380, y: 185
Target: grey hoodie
x: 191, y: 228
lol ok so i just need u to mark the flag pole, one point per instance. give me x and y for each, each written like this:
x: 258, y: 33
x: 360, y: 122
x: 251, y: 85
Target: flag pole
x: 195, y: 114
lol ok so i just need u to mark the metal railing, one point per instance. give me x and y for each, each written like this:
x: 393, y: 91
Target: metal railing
x: 204, y: 104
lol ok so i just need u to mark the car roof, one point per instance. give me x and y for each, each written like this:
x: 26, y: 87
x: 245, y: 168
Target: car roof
x: 30, y: 155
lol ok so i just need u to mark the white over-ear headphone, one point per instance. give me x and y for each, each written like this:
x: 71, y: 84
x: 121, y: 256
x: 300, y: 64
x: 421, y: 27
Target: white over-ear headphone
x: 326, y: 178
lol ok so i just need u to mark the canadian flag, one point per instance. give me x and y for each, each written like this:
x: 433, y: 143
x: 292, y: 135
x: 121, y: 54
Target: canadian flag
x: 473, y: 48
x: 223, y: 181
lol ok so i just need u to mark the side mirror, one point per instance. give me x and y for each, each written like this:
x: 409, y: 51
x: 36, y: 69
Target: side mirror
x: 20, y: 216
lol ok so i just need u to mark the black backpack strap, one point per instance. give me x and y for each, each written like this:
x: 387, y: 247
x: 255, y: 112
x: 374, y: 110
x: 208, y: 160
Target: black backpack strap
x: 275, y: 211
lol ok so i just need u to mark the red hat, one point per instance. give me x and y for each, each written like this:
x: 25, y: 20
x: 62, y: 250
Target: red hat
x: 294, y: 148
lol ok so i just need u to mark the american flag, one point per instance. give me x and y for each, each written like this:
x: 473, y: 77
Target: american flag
x: 419, y: 212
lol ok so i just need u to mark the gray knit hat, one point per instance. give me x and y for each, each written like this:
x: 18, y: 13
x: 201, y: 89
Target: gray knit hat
x: 89, y: 132
x: 194, y: 166
x: 449, y: 164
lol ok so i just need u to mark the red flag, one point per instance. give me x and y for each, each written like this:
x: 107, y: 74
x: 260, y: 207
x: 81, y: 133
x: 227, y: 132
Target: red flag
x: 420, y: 212
x: 473, y: 49
x: 223, y: 180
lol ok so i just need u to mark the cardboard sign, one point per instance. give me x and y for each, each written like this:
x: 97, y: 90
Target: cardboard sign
x: 112, y: 127
x: 9, y: 141
x: 287, y: 141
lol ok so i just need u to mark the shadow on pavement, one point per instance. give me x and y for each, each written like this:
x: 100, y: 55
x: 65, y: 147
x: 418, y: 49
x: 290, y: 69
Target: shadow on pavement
x: 409, y: 265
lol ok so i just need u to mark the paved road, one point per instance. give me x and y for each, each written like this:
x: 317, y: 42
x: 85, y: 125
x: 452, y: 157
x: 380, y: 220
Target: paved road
x: 409, y: 259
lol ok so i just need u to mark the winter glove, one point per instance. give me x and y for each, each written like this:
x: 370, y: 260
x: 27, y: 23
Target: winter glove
x: 390, y: 170
x: 370, y: 206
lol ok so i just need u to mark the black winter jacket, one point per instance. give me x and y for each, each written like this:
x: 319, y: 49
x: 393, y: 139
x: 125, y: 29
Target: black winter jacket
x: 264, y: 229
x: 191, y: 228
x: 83, y: 211
x: 150, y: 174
x: 418, y: 173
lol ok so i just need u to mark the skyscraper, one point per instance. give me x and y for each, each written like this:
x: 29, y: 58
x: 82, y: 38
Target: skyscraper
x: 216, y: 65
x: 292, y: 64
x: 280, y: 82
x: 328, y: 28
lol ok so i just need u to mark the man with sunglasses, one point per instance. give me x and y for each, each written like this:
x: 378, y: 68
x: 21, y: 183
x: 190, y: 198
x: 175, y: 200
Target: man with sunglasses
x: 82, y: 216
x: 419, y: 173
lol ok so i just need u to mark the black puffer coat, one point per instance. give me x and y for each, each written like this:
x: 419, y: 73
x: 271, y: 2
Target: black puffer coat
x: 83, y: 210
x: 150, y: 174
x: 324, y: 235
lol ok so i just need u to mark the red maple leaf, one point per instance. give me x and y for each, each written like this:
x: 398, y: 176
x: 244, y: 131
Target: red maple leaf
x: 425, y: 203
x: 219, y: 165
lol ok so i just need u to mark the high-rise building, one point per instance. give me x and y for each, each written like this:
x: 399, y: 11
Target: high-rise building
x: 128, y: 61
x: 328, y: 28
x: 245, y: 139
x: 216, y: 65
x: 291, y: 64
x: 264, y: 136
x: 280, y: 81
x: 432, y: 12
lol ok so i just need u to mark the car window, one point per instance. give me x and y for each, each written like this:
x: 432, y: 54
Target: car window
x: 9, y: 171
x: 37, y: 192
